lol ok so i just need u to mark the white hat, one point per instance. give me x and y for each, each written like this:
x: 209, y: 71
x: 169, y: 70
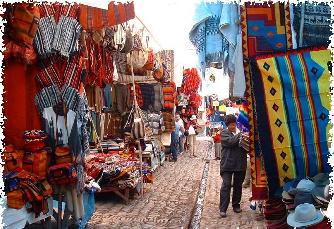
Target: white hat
x: 305, y: 215
x: 193, y: 117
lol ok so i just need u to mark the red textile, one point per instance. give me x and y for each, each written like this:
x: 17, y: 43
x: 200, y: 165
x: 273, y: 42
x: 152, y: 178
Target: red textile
x: 19, y: 105
x: 217, y: 138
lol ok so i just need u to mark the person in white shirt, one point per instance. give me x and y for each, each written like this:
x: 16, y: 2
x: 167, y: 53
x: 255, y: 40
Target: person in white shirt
x: 180, y: 124
x: 192, y: 135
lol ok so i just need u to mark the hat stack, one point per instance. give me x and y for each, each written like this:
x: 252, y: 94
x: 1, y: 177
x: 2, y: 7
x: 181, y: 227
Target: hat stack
x: 244, y: 141
x: 275, y: 214
x: 304, y: 201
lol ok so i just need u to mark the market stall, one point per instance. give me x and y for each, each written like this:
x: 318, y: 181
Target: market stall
x: 277, y: 60
x: 95, y: 103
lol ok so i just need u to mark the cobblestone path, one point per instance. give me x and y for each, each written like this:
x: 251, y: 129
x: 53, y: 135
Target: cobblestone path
x: 210, y: 217
x: 167, y: 203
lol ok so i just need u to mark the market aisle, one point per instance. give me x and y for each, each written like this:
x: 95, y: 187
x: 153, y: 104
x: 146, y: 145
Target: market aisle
x: 210, y: 216
x: 168, y: 203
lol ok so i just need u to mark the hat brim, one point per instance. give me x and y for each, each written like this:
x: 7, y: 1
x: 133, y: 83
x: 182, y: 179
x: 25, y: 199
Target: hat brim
x: 319, y: 192
x: 291, y: 221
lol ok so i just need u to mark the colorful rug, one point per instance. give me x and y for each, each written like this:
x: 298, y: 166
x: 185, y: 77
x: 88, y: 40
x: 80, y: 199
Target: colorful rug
x: 292, y: 101
x: 265, y: 29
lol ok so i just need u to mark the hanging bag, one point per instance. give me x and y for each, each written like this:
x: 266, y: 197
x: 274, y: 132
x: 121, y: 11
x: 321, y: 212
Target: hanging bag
x: 138, y: 127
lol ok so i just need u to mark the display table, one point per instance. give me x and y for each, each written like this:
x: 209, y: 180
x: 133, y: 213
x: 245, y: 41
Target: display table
x: 18, y: 218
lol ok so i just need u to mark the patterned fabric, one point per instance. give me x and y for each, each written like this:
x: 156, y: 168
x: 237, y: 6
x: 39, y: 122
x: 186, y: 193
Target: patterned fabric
x: 92, y: 18
x: 70, y: 97
x: 293, y: 103
x: 260, y: 35
x: 50, y: 76
x: 167, y: 58
x: 67, y: 35
x: 316, y: 28
x: 62, y: 36
x: 47, y: 97
x: 120, y: 13
x: 44, y: 36
x: 211, y: 45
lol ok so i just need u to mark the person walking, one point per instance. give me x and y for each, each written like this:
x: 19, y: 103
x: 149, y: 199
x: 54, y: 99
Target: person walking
x: 180, y: 124
x: 192, y: 132
x: 233, y: 164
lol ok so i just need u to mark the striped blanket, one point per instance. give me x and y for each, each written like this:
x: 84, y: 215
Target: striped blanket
x: 292, y: 104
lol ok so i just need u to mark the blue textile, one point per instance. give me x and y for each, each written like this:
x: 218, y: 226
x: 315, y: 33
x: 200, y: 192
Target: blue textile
x: 214, y: 33
x: 107, y: 96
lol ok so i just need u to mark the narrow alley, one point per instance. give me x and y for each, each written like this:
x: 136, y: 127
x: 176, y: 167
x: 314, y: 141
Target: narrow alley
x: 172, y: 200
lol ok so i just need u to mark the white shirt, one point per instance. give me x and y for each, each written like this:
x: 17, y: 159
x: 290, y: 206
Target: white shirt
x: 191, y: 130
x: 181, y: 125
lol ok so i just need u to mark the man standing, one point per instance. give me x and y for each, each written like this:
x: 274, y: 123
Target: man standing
x: 233, y: 163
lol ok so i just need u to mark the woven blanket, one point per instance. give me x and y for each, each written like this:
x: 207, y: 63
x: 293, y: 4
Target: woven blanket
x: 315, y: 28
x: 265, y: 29
x: 292, y: 102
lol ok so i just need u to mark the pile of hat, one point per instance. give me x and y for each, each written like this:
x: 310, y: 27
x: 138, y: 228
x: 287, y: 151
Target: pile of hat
x: 309, y: 194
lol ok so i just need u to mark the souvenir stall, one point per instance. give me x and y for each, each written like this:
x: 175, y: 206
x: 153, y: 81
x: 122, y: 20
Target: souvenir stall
x: 137, y: 99
x: 55, y: 72
x: 282, y: 67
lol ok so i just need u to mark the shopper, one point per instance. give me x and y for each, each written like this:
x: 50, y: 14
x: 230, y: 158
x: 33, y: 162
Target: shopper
x: 192, y: 132
x: 233, y: 163
x: 217, y: 141
x: 180, y: 124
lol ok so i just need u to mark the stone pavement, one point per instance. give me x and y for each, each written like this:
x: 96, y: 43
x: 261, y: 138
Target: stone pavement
x: 172, y: 200
x: 167, y: 203
x: 210, y: 217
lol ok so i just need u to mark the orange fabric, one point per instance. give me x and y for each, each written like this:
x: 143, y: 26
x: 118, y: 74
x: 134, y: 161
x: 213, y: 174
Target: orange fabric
x: 92, y: 18
x: 19, y: 105
x: 120, y: 13
x: 36, y: 163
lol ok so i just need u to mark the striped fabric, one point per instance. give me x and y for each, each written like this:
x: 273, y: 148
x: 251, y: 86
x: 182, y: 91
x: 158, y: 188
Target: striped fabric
x: 44, y: 36
x: 50, y: 76
x: 70, y: 97
x: 72, y: 75
x: 120, y: 13
x: 47, y: 97
x: 67, y: 36
x: 292, y: 97
x: 93, y: 18
x: 58, y: 36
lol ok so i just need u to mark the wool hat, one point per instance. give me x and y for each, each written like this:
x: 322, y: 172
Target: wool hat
x: 305, y: 215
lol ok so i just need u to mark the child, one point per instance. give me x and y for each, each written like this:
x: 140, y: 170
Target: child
x: 217, y: 141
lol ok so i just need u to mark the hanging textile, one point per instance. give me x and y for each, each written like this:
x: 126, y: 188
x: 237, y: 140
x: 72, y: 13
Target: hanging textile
x: 93, y: 18
x: 265, y: 29
x: 120, y: 13
x: 312, y: 24
x: 215, y: 33
x: 293, y: 103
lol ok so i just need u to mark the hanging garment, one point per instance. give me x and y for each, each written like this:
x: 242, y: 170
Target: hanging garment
x: 93, y: 18
x: 147, y: 91
x: 239, y: 85
x: 316, y: 30
x: 122, y: 98
x: 120, y: 13
x: 157, y: 98
x: 62, y: 37
x: 107, y: 96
